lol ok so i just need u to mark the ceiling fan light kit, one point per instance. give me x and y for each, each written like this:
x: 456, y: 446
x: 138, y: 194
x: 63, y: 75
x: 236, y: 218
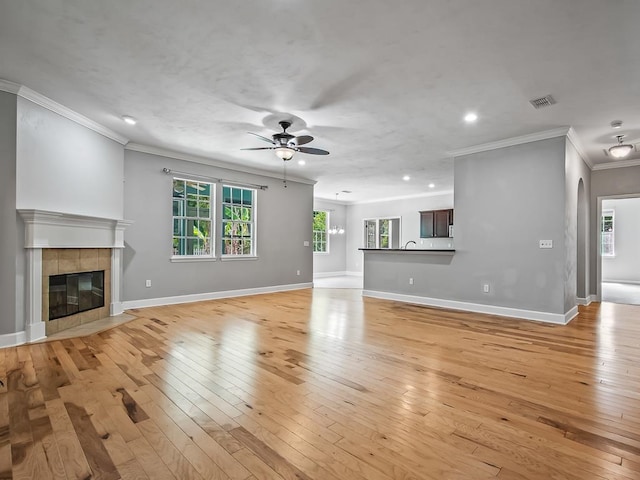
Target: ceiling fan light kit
x: 285, y: 145
x: 620, y: 150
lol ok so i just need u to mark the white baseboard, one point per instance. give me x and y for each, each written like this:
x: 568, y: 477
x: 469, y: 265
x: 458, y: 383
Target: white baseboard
x: 354, y: 274
x: 199, y: 297
x: 115, y: 308
x: 557, y: 318
x: 630, y: 282
x: 36, y: 332
x: 329, y: 274
x: 586, y: 301
x: 13, y: 339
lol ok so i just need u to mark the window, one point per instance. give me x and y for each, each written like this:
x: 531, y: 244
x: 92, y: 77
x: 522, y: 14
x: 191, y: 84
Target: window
x: 320, y: 230
x: 385, y: 232
x: 238, y: 221
x: 382, y: 232
x: 607, y: 238
x: 192, y: 218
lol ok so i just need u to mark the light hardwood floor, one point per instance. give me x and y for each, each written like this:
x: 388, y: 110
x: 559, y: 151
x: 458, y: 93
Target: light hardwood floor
x: 323, y: 384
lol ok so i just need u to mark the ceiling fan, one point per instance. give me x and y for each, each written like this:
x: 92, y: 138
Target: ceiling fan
x: 286, y: 145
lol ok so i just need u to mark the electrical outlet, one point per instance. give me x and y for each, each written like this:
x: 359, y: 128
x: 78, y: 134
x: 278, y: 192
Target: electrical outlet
x: 546, y: 243
x: 147, y: 284
x: 306, y: 243
x: 298, y: 272
x: 485, y: 288
x: 411, y: 281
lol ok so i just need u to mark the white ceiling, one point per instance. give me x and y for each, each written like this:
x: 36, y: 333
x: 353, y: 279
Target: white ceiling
x: 382, y: 85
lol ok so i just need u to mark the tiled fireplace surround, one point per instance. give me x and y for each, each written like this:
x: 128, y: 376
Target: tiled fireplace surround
x: 59, y: 243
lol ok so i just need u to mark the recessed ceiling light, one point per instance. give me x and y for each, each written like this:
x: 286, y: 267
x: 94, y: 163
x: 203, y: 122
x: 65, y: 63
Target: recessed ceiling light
x: 129, y: 119
x: 406, y: 178
x: 301, y: 162
x: 431, y: 185
x: 470, y: 117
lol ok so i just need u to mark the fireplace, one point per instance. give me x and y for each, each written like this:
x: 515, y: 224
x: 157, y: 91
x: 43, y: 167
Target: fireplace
x: 60, y: 244
x: 75, y: 286
x: 72, y: 293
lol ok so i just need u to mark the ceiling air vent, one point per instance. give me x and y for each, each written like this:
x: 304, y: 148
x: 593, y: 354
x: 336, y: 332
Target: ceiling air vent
x: 542, y: 102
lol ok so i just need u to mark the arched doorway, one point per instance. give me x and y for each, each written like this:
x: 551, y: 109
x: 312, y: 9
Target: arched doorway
x: 582, y: 275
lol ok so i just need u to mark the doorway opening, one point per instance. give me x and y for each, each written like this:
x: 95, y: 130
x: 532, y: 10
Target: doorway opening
x: 619, y: 250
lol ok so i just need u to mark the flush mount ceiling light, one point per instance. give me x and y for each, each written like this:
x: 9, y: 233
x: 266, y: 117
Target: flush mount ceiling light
x: 431, y: 185
x: 620, y: 150
x: 470, y: 117
x: 129, y: 119
x: 406, y: 178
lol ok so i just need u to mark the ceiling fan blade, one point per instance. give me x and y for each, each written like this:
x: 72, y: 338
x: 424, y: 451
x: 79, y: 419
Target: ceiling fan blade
x: 261, y: 137
x: 313, y: 151
x: 259, y: 148
x: 303, y: 139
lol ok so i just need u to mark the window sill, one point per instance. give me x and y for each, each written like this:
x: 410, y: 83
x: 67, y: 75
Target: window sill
x: 193, y: 259
x: 321, y: 253
x: 231, y: 258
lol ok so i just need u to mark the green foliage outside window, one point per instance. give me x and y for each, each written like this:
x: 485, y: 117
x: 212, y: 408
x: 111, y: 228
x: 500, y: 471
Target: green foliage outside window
x: 191, y: 218
x: 320, y: 227
x: 238, y: 220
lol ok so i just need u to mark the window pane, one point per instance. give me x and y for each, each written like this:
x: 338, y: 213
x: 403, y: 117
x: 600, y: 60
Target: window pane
x: 178, y: 207
x: 192, y: 209
x: 236, y: 196
x: 178, y: 188
x: 238, y: 220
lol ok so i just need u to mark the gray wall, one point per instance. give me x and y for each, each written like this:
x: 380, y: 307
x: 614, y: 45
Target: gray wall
x: 407, y: 209
x: 66, y: 167
x: 335, y: 260
x: 575, y: 240
x: 9, y: 235
x: 283, y: 225
x: 625, y: 266
x: 506, y: 200
x: 607, y: 183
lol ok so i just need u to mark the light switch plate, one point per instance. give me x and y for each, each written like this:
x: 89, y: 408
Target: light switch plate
x: 546, y: 243
x: 306, y: 243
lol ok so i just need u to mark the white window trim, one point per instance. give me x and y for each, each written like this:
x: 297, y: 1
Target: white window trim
x: 212, y: 218
x: 612, y: 213
x: 254, y: 226
x: 377, y: 235
x: 328, y: 250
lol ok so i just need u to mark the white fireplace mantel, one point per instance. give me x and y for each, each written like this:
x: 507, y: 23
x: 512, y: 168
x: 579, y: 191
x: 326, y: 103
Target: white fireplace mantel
x: 45, y: 229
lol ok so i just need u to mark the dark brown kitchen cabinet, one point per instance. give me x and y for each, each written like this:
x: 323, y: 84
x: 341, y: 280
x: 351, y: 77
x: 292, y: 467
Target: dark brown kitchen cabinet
x: 435, y: 223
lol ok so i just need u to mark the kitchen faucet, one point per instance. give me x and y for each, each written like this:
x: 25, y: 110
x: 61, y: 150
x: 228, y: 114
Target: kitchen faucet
x: 410, y: 241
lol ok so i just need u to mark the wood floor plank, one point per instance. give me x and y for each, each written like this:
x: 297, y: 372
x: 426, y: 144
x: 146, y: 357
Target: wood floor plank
x: 265, y: 387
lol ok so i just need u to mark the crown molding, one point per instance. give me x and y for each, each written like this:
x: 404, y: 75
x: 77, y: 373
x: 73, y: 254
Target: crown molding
x: 509, y: 142
x: 617, y: 164
x: 9, y: 87
x: 404, y: 197
x: 61, y: 110
x: 577, y: 144
x: 163, y: 152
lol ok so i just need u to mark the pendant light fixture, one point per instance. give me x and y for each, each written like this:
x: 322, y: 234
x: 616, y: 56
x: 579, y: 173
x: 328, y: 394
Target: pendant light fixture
x: 620, y: 150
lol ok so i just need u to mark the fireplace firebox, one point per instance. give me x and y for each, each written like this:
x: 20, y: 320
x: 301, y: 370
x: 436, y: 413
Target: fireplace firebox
x: 75, y: 292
